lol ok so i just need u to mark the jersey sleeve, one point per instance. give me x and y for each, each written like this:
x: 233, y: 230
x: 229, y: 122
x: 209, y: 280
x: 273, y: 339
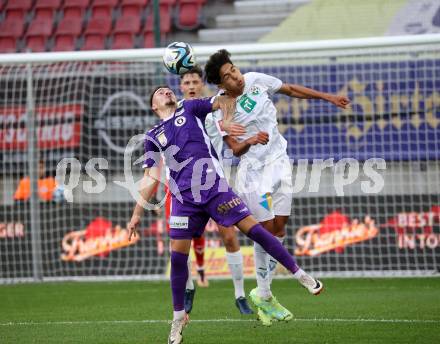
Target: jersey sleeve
x: 217, y: 117
x: 273, y: 84
x: 151, y: 152
x: 199, y: 107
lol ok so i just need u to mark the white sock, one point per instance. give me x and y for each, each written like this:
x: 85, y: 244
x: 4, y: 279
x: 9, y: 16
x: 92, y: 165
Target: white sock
x: 305, y: 279
x: 261, y: 270
x: 272, y: 264
x: 235, y: 262
x: 189, y: 281
x: 178, y: 315
x: 299, y: 273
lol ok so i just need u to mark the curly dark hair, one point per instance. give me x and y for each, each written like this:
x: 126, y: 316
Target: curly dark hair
x: 215, y: 62
x: 194, y: 70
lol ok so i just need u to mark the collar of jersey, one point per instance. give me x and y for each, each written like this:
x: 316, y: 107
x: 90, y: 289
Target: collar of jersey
x: 169, y: 117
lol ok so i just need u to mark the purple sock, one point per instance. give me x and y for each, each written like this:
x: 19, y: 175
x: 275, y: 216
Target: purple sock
x: 273, y: 247
x: 179, y: 275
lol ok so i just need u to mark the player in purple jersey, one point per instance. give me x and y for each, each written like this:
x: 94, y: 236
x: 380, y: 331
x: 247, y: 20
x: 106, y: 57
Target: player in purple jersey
x: 199, y: 190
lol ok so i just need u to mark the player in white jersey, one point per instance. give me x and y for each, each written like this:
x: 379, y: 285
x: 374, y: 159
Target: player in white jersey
x: 191, y: 85
x: 264, y: 177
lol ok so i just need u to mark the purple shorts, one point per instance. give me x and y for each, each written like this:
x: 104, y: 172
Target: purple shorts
x: 188, y: 219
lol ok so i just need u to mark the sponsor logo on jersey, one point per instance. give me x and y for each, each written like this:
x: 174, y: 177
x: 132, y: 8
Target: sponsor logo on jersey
x: 179, y: 121
x: 225, y: 207
x: 161, y: 137
x: 266, y: 203
x: 255, y: 90
x: 179, y: 222
x: 246, y: 103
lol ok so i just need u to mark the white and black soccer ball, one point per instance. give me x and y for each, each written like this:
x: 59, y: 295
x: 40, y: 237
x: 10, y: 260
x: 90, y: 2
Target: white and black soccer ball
x: 179, y: 57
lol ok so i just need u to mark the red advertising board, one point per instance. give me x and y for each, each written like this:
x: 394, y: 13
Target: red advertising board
x: 58, y: 126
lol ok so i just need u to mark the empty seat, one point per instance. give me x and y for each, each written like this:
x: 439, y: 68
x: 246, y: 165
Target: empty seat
x: 8, y: 45
x: 128, y: 25
x: 123, y: 41
x: 131, y: 8
x: 53, y: 4
x: 37, y: 34
x: 77, y: 3
x: 64, y: 42
x: 100, y: 26
x: 148, y: 40
x: 167, y: 2
x: 24, y: 5
x: 46, y: 14
x: 103, y: 8
x: 36, y: 44
x: 75, y: 8
x: 39, y: 28
x: 112, y: 3
x: 45, y: 9
x: 12, y: 29
x: 17, y: 9
x: 96, y: 32
x: 189, y: 13
x: 94, y: 42
x: 69, y: 26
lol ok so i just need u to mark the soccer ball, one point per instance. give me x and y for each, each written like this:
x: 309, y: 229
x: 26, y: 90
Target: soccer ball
x: 179, y: 57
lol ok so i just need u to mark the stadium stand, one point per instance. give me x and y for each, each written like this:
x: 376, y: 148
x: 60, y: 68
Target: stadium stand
x: 46, y: 9
x: 38, y: 32
x: 322, y: 19
x: 17, y: 10
x: 75, y: 8
x: 189, y: 14
x: 63, y: 25
x: 247, y: 20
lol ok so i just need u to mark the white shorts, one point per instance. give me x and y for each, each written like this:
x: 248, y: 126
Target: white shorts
x: 267, y: 191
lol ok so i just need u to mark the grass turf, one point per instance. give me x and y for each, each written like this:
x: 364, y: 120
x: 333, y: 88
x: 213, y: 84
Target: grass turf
x: 369, y: 311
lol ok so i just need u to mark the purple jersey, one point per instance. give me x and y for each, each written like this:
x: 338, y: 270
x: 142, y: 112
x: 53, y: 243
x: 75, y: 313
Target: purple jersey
x: 186, y: 147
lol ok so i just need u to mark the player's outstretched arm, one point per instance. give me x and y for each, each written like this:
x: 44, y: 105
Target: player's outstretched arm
x: 148, y: 185
x: 240, y: 148
x: 302, y: 92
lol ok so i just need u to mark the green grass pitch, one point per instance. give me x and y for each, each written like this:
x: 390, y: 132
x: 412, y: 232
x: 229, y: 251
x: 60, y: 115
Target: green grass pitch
x: 397, y: 310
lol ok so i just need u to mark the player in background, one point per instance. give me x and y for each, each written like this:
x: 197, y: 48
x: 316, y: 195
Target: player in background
x: 264, y: 176
x: 191, y: 86
x: 199, y: 191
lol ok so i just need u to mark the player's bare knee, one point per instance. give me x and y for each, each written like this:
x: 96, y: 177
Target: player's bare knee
x: 230, y: 241
x: 269, y: 225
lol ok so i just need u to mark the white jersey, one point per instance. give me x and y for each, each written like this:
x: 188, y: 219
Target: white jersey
x: 256, y: 111
x: 212, y: 129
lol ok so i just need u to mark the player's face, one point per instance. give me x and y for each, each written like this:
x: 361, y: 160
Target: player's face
x: 164, y: 98
x: 191, y: 86
x: 231, y: 78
